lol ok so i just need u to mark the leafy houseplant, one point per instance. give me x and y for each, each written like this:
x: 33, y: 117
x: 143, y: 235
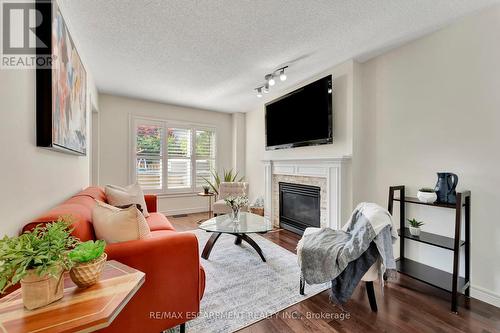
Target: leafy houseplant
x: 227, y: 176
x: 236, y: 203
x: 89, y: 259
x: 415, y: 226
x: 37, y: 259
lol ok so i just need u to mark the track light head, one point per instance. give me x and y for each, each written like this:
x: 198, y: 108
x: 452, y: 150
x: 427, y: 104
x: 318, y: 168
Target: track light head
x: 265, y: 88
x: 270, y: 79
x: 259, y: 92
x: 282, y: 75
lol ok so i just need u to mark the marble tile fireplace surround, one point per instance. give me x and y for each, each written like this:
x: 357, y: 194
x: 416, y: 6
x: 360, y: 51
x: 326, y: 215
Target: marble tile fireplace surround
x: 329, y: 174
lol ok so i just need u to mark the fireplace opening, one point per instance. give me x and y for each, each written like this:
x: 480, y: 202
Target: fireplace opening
x: 299, y: 207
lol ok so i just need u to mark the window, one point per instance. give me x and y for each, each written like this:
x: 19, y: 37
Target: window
x: 170, y: 157
x: 148, y: 159
x: 179, y: 158
x: 205, y: 155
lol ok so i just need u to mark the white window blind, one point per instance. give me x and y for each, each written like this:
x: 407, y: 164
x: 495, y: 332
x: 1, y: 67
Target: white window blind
x: 148, y: 157
x: 171, y: 157
x: 179, y: 158
x: 205, y: 155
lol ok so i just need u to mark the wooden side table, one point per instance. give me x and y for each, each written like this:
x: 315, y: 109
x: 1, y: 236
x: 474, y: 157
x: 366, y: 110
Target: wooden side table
x: 80, y: 310
x: 209, y: 195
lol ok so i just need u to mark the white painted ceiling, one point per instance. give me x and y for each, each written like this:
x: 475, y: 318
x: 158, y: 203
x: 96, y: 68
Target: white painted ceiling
x: 211, y: 54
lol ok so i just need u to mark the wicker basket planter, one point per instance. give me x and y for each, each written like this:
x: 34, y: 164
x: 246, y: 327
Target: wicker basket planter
x: 38, y: 291
x: 86, y: 274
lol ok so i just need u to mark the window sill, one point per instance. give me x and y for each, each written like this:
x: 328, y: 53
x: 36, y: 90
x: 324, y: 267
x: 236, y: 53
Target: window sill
x: 176, y: 194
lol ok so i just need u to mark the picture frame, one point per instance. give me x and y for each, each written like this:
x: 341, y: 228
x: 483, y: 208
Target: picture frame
x: 61, y: 89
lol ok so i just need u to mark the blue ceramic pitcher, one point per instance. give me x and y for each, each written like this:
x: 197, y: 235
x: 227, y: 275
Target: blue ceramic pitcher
x: 446, y: 187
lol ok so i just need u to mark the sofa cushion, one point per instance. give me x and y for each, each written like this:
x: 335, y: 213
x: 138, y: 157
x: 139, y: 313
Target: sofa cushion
x: 131, y: 194
x: 116, y: 225
x: 158, y: 221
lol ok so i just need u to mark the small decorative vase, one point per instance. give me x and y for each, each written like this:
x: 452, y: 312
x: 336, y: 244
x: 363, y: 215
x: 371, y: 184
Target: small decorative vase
x: 205, y: 190
x: 87, y: 274
x: 235, y: 214
x: 38, y: 291
x: 414, y: 231
x: 427, y: 197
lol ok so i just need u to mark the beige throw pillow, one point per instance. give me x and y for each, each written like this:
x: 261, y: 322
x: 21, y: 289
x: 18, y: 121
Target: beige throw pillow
x: 116, y: 225
x: 132, y: 194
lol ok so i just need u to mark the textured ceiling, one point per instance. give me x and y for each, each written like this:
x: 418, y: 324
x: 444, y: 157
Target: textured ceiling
x: 211, y: 54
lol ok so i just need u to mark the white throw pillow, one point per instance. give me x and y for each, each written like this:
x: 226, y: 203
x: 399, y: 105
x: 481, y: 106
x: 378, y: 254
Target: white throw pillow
x: 132, y: 194
x: 116, y: 225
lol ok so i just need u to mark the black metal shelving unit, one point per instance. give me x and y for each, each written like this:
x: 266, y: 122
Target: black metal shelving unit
x: 451, y: 282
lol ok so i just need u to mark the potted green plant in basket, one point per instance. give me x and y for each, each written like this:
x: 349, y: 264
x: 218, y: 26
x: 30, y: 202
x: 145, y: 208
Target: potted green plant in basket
x: 37, y: 259
x: 88, y: 262
x: 415, y: 227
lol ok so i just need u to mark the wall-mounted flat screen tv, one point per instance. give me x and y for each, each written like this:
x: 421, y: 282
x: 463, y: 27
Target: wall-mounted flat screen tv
x: 303, y: 117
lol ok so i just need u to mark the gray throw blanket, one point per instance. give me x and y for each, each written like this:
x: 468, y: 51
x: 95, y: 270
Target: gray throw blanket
x: 344, y: 256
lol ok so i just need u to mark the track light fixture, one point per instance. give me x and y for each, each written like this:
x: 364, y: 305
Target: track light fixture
x: 282, y: 74
x: 259, y: 92
x: 270, y: 81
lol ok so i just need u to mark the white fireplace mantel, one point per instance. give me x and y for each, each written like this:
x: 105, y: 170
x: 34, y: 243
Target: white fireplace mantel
x: 332, y: 169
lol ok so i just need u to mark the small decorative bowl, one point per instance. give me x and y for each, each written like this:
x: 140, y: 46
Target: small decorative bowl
x: 427, y: 197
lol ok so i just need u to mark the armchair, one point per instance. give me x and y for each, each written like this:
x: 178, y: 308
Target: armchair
x: 371, y: 275
x: 227, y: 189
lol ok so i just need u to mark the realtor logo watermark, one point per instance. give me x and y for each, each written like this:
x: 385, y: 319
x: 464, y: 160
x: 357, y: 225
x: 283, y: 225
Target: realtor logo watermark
x: 26, y: 33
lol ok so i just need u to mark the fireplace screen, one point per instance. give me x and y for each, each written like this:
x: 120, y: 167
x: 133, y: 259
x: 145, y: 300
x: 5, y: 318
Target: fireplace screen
x: 299, y: 207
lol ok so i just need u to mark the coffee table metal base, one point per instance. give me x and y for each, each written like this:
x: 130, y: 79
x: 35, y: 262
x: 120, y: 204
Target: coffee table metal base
x: 239, y: 237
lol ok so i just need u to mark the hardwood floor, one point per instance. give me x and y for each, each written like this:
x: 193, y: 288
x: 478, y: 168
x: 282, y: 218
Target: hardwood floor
x: 406, y: 306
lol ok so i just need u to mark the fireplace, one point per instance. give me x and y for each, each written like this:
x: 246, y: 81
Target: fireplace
x: 299, y: 207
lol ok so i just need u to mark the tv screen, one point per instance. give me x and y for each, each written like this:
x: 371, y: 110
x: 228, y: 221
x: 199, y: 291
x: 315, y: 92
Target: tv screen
x: 302, y: 117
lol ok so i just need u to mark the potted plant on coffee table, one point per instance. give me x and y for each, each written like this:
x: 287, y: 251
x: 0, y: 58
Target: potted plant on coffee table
x: 37, y: 259
x: 415, y: 227
x: 88, y: 262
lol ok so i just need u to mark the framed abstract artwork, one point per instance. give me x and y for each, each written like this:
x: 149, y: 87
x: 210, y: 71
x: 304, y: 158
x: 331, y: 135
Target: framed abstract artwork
x: 61, y: 89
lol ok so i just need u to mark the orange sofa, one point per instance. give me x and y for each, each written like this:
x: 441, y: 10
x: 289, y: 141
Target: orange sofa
x: 175, y: 281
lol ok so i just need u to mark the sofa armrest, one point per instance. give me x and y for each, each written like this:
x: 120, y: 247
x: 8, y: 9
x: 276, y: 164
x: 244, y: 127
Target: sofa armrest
x: 151, y: 202
x: 172, y: 267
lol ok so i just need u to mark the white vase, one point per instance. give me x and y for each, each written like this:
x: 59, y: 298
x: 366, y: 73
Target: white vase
x: 414, y: 231
x: 427, y: 197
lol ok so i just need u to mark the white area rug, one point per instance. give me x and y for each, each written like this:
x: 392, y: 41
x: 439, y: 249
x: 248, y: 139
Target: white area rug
x: 241, y: 289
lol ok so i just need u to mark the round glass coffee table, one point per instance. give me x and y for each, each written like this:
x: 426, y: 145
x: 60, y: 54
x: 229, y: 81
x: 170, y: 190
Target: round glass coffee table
x: 223, y: 224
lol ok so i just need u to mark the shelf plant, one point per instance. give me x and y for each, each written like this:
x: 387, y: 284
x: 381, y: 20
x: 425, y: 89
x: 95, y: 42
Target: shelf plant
x: 88, y: 260
x: 415, y: 226
x: 37, y: 260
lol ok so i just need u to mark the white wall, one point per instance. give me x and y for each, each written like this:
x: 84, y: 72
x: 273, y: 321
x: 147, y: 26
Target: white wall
x: 342, y: 143
x: 239, y: 142
x: 434, y: 105
x: 115, y: 111
x: 33, y: 179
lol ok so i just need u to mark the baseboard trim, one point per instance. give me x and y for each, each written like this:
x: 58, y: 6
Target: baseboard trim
x: 485, y: 295
x: 191, y: 210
